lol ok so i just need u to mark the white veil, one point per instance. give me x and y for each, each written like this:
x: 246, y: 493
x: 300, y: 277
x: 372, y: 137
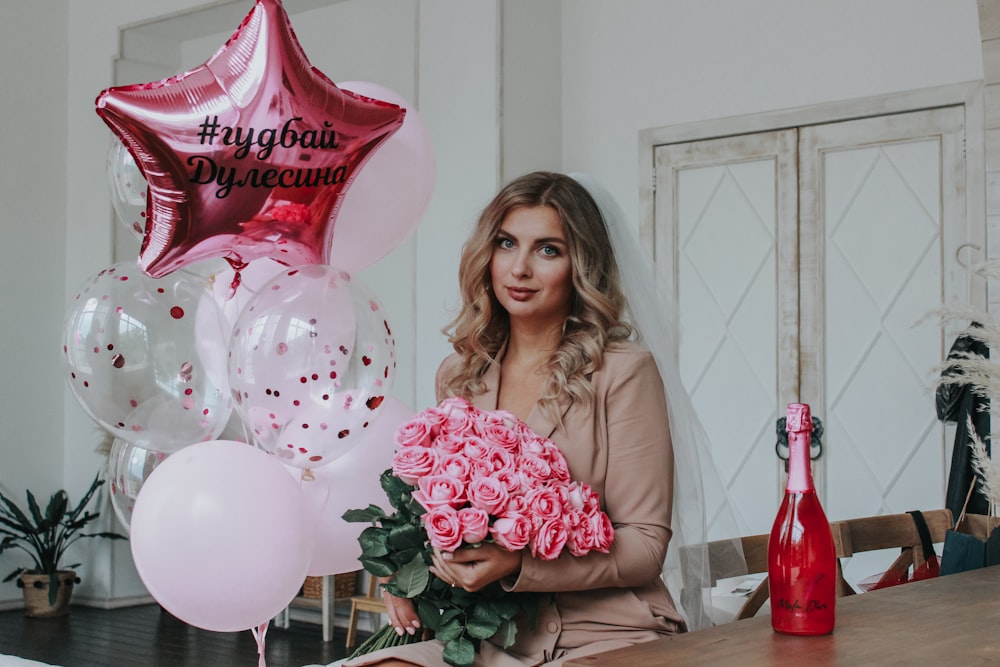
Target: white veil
x: 687, y: 571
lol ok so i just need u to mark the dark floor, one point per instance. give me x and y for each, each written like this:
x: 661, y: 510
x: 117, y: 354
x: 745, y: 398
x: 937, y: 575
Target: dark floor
x: 146, y: 636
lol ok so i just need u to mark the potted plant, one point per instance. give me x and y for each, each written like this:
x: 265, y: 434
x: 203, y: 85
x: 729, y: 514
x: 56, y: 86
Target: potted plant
x: 48, y: 584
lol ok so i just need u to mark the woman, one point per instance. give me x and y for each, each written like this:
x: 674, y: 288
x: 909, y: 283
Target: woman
x: 543, y: 334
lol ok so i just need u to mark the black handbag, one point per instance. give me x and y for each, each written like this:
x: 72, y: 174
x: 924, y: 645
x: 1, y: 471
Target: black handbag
x: 973, y: 543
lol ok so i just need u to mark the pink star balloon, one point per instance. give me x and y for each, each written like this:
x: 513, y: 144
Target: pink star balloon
x: 248, y: 155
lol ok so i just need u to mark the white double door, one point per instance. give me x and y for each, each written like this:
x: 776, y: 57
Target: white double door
x: 806, y: 263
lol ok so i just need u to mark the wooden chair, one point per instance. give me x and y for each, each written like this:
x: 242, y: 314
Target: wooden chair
x: 888, y: 531
x: 370, y: 602
x: 725, y: 562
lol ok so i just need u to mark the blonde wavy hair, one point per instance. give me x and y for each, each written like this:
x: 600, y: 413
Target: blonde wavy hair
x: 598, y: 310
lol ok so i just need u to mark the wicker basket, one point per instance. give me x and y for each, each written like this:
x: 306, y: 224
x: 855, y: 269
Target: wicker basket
x: 344, y: 586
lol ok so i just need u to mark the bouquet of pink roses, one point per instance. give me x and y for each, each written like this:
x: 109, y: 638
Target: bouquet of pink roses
x: 464, y: 476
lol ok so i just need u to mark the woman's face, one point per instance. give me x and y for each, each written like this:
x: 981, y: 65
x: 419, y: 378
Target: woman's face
x: 530, y: 269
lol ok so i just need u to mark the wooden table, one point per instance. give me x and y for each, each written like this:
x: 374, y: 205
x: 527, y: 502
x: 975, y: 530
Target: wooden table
x: 952, y: 620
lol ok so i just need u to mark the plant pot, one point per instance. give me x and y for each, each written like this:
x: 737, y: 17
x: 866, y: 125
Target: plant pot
x: 38, y: 602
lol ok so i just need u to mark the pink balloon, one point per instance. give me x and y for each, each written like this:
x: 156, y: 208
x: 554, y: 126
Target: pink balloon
x: 146, y: 358
x: 220, y: 536
x: 311, y: 361
x: 350, y: 482
x: 248, y: 155
x: 389, y: 197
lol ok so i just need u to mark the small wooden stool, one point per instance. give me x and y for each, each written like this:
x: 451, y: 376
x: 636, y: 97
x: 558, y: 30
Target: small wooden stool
x: 372, y: 603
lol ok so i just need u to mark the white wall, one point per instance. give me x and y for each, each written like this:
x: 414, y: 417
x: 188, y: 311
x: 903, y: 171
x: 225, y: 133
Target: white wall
x: 641, y: 64
x: 33, y: 172
x: 625, y: 66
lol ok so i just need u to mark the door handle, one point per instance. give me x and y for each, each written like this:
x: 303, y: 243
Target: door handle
x: 815, y: 440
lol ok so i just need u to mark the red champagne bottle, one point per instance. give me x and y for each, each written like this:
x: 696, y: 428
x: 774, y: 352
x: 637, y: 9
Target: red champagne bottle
x: 801, y: 561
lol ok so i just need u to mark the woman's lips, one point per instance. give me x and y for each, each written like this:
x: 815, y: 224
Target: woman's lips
x: 520, y: 293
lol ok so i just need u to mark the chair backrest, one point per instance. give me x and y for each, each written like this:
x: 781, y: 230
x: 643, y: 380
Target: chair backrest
x: 726, y: 560
x: 850, y: 537
x: 889, y: 531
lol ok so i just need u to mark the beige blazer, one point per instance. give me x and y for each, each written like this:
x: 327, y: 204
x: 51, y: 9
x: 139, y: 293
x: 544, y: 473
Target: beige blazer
x: 620, y: 445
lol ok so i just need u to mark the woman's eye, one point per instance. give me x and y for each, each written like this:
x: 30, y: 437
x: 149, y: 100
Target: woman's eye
x: 549, y: 250
x: 506, y: 244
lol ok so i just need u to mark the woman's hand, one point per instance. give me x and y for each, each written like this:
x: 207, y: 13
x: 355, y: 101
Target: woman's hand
x: 473, y: 568
x: 401, y: 611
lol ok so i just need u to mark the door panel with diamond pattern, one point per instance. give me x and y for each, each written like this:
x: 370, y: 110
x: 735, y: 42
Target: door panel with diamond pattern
x: 805, y: 262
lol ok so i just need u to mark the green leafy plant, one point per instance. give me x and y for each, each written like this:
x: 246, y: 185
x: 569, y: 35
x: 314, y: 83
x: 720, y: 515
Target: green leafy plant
x: 46, y: 536
x: 396, y: 547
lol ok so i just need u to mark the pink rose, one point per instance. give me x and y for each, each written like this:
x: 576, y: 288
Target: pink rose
x: 582, y: 497
x: 444, y: 529
x: 501, y: 435
x: 549, y: 540
x: 474, y: 523
x: 602, y: 531
x: 488, y: 494
x: 544, y: 504
x: 581, y: 538
x: 439, y: 490
x: 450, y: 443
x: 481, y: 468
x: 489, y: 418
x: 459, y: 417
x: 534, y: 467
x: 510, y: 479
x: 516, y: 505
x: 455, y: 465
x: 557, y: 462
x: 531, y: 443
x: 414, y: 433
x: 475, y: 449
x: 512, y: 532
x: 411, y: 463
x: 454, y: 405
x: 499, y: 459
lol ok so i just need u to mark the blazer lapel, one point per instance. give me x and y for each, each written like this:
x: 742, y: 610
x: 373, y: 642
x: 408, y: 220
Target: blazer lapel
x: 537, y: 420
x: 541, y: 423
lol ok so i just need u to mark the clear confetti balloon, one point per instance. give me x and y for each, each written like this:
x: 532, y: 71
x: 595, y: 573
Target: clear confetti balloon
x: 129, y: 466
x: 311, y: 361
x: 128, y: 188
x: 146, y: 358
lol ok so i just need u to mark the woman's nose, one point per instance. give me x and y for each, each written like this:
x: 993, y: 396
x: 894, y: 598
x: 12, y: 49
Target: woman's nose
x: 521, y: 265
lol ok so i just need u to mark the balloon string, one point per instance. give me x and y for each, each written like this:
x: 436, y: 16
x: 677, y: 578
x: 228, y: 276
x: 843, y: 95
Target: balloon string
x: 258, y: 635
x: 307, y: 475
x: 238, y: 265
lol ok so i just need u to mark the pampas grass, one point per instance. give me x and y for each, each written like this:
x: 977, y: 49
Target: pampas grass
x: 981, y: 373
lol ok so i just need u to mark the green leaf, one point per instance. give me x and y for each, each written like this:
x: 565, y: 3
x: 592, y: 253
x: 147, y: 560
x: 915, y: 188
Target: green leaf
x: 75, y: 512
x: 20, y: 519
x: 36, y: 513
x: 57, y: 508
x: 370, y: 514
x: 451, y: 630
x: 430, y: 614
x: 507, y: 633
x: 412, y: 578
x: 481, y: 629
x: 486, y: 614
x: 407, y: 536
x: 373, y: 541
x: 459, y: 652
x: 380, y: 567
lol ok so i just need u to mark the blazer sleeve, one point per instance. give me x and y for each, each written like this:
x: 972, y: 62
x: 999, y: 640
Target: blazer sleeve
x: 638, y: 489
